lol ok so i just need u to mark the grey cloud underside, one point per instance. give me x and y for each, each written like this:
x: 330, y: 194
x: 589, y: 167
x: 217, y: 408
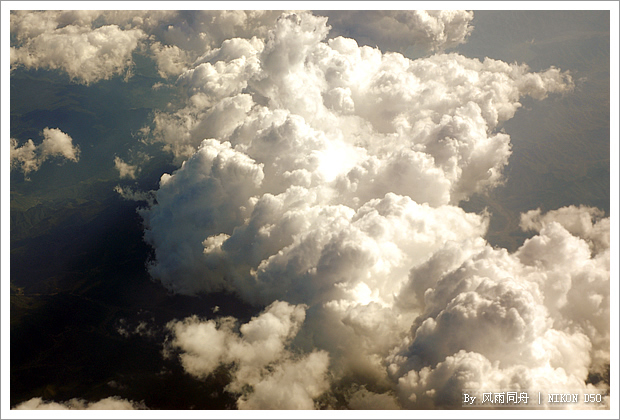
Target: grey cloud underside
x: 320, y: 179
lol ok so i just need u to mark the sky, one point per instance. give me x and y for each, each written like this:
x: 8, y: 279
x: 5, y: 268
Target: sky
x: 411, y: 204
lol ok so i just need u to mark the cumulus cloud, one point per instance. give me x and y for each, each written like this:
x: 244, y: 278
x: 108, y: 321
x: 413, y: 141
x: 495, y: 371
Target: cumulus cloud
x: 125, y: 170
x: 587, y: 223
x: 171, y: 60
x: 186, y: 42
x: 86, y: 55
x: 329, y: 178
x: 308, y: 141
x: 398, y: 30
x: 110, y: 403
x: 534, y: 319
x: 215, y: 176
x: 29, y: 157
x: 265, y: 373
x: 467, y: 316
x: 383, y: 118
x: 80, y: 42
x: 87, y: 45
x: 97, y: 45
x: 441, y: 386
x: 319, y: 178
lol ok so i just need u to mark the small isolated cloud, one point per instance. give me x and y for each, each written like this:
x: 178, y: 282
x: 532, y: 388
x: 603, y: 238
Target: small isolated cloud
x: 110, y: 403
x: 128, y: 193
x: 142, y: 329
x: 125, y: 170
x: 171, y: 60
x: 29, y: 157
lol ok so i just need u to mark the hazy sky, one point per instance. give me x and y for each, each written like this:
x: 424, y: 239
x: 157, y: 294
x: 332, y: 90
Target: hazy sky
x: 333, y: 169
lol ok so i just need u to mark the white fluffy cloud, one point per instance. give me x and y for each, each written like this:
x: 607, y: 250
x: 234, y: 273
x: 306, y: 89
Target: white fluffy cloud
x: 97, y: 45
x: 375, y: 122
x: 325, y: 174
x: 441, y: 387
x: 88, y: 45
x: 587, y: 223
x: 110, y: 403
x: 213, y: 178
x: 320, y: 179
x: 311, y: 137
x: 397, y: 30
x: 266, y: 374
x: 91, y: 45
x: 85, y: 54
x: 534, y: 319
x: 29, y: 157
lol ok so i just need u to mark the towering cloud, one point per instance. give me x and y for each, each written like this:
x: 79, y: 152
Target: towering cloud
x: 320, y: 180
x: 330, y: 176
x: 29, y: 157
x: 319, y: 148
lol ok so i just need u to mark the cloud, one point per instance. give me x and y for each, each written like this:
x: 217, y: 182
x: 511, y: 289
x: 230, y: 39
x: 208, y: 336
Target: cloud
x: 210, y: 181
x: 187, y: 42
x: 441, y: 387
x: 320, y: 178
x: 125, y: 170
x: 363, y: 255
x: 293, y: 385
x: 29, y: 157
x: 265, y: 373
x: 143, y: 329
x: 383, y: 117
x: 320, y: 173
x: 97, y: 45
x: 537, y: 318
x: 78, y: 42
x: 421, y: 130
x: 24, y: 156
x: 398, y: 30
x: 588, y: 223
x: 171, y: 60
x: 86, y: 55
x: 88, y: 45
x: 128, y: 193
x: 571, y: 256
x: 110, y: 403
